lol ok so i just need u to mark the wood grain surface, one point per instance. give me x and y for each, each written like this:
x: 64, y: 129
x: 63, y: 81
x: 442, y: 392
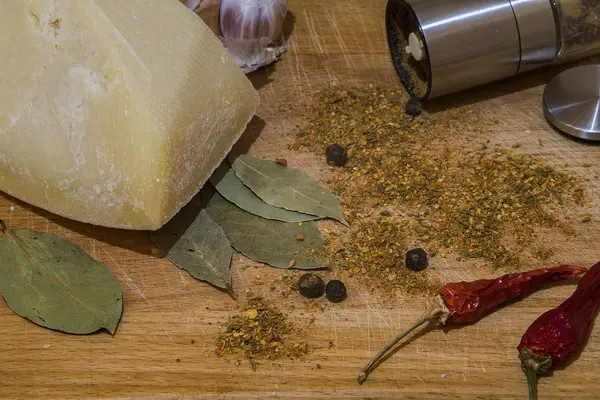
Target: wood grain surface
x: 152, y: 354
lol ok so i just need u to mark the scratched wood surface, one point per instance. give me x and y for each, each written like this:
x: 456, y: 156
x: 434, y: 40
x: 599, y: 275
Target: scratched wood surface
x: 152, y: 354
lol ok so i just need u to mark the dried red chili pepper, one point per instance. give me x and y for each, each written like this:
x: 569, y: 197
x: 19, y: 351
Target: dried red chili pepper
x: 560, y: 332
x: 461, y: 303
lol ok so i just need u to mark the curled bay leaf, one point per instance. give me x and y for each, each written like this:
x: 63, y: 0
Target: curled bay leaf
x: 264, y: 240
x: 55, y: 284
x: 233, y: 189
x: 195, y: 243
x: 287, y: 188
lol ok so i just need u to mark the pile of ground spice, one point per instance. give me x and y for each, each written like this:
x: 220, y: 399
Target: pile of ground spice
x: 489, y: 195
x: 260, y: 332
x: 432, y: 181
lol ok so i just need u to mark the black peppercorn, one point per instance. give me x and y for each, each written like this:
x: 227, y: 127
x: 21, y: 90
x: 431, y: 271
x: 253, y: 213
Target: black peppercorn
x: 335, y: 291
x: 416, y: 260
x: 413, y: 107
x: 336, y: 155
x: 311, y: 286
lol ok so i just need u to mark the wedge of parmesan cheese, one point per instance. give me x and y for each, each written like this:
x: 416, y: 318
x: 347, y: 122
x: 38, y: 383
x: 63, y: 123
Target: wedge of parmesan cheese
x: 114, y: 112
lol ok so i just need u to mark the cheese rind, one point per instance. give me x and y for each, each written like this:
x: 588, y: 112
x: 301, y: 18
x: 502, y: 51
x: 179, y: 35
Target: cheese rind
x: 114, y: 113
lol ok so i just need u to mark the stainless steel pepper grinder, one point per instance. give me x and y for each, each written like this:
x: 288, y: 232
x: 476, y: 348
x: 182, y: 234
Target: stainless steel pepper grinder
x: 440, y: 46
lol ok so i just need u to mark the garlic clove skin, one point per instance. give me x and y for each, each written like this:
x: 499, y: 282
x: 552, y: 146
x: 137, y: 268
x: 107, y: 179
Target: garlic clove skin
x: 252, y: 54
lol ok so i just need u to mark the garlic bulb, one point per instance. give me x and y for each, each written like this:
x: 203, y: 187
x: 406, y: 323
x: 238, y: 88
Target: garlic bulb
x: 251, y: 30
x: 252, y: 19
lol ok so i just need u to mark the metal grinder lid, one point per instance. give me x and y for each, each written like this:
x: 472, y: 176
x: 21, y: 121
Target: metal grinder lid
x: 572, y: 102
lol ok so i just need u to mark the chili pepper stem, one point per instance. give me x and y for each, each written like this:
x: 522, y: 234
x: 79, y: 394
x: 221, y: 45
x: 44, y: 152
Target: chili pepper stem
x: 532, y: 364
x: 439, y: 311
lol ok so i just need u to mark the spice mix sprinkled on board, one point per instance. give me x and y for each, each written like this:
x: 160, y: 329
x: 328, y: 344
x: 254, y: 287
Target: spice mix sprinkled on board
x: 431, y: 181
x: 376, y: 252
x: 261, y: 331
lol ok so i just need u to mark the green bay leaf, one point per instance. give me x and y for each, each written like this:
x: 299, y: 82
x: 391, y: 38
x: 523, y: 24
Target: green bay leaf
x: 195, y: 243
x: 268, y: 241
x: 287, y: 188
x: 233, y: 189
x: 55, y: 284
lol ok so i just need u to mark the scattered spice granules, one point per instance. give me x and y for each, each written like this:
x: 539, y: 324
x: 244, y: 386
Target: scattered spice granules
x: 437, y: 186
x: 260, y: 332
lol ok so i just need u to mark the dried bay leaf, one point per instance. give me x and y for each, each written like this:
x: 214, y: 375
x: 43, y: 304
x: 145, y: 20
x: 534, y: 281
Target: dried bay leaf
x: 287, y: 188
x: 233, y: 189
x: 55, y: 284
x: 195, y: 243
x: 268, y: 241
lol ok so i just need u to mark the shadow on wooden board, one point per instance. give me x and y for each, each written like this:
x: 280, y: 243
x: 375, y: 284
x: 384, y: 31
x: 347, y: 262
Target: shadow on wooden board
x: 493, y: 90
x: 501, y: 88
x: 251, y: 134
x: 132, y: 240
x: 137, y: 241
x: 262, y: 77
x: 288, y: 25
x: 573, y: 138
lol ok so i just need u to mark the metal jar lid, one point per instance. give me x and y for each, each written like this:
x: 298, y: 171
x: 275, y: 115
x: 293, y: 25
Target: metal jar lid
x: 572, y: 102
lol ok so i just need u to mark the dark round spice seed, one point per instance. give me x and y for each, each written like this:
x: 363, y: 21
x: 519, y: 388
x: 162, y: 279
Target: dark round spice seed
x: 311, y: 286
x: 335, y: 291
x: 413, y: 107
x: 336, y: 155
x: 416, y: 259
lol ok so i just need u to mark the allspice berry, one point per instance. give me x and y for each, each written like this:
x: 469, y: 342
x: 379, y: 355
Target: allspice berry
x: 336, y: 155
x: 311, y: 286
x: 413, y: 107
x: 416, y: 259
x: 335, y: 291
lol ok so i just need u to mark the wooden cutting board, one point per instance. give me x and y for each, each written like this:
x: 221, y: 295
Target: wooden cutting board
x: 152, y: 354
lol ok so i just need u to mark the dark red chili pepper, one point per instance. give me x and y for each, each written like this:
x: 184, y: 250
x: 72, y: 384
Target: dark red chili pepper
x: 461, y: 303
x: 560, y: 332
